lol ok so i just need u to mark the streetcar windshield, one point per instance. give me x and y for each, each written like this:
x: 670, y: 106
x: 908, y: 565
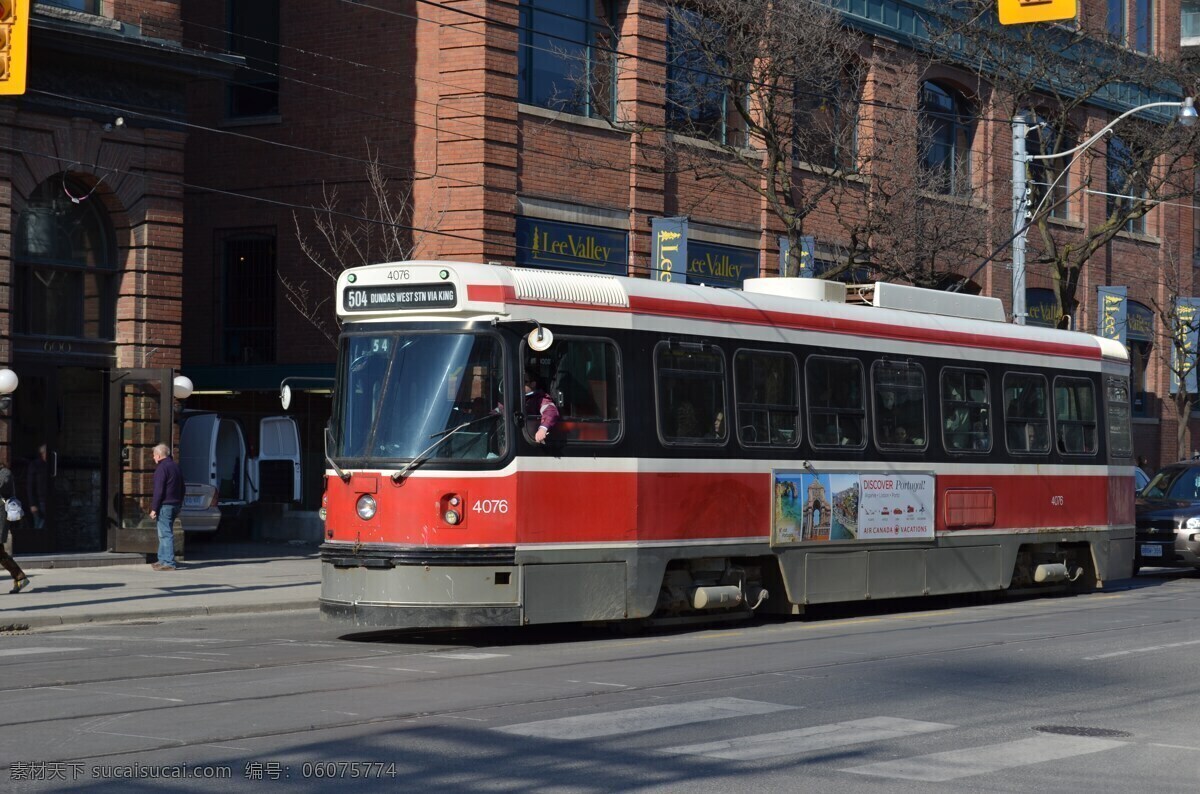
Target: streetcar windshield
x: 399, y: 394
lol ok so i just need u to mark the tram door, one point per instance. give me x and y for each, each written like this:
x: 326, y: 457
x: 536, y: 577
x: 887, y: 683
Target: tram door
x: 139, y: 417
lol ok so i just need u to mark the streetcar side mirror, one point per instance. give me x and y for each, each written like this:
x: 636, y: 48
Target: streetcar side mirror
x: 285, y: 396
x: 540, y: 339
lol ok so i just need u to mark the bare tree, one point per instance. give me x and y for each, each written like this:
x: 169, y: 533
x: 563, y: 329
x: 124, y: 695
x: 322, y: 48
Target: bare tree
x: 760, y: 96
x: 906, y: 222
x: 1179, y: 320
x: 1059, y: 76
x: 383, y: 230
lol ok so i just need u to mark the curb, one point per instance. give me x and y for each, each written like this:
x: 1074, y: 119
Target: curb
x: 15, y: 624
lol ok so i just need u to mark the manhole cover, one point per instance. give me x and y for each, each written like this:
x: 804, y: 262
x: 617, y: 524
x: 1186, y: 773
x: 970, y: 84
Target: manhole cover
x: 1080, y: 730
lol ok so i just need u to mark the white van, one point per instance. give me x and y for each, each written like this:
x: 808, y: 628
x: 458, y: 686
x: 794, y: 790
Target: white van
x: 221, y: 477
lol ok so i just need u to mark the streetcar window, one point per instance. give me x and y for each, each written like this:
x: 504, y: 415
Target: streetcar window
x: 1075, y: 416
x: 966, y: 410
x: 365, y: 361
x: 1119, y: 442
x: 768, y: 398
x: 1026, y: 421
x: 899, y: 405
x: 691, y: 393
x: 583, y: 378
x: 436, y: 396
x: 837, y: 410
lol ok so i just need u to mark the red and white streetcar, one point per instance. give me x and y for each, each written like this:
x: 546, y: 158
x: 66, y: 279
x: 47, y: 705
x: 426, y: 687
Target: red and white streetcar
x: 717, y: 451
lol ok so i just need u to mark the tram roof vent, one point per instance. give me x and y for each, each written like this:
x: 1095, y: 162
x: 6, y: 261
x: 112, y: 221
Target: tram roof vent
x: 812, y: 289
x: 932, y: 301
x: 590, y: 289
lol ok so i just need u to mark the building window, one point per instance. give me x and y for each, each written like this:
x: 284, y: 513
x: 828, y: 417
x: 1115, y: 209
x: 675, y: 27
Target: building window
x: 65, y: 264
x: 1126, y: 184
x: 1049, y: 179
x: 1139, y: 339
x: 699, y: 101
x: 1131, y: 23
x: 86, y: 6
x: 249, y: 271
x: 1143, y: 17
x: 946, y: 133
x: 826, y: 125
x: 1190, y: 20
x: 254, y: 34
x: 567, y: 55
x: 1195, y: 222
x: 1116, y: 23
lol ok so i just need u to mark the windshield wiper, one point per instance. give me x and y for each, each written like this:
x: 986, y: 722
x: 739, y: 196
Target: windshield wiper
x: 344, y: 476
x: 441, y: 436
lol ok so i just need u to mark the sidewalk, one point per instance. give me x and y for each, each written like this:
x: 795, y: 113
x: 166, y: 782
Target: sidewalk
x: 213, y: 579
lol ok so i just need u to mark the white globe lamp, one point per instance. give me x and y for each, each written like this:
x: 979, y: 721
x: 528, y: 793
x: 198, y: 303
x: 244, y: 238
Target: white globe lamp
x: 182, y: 388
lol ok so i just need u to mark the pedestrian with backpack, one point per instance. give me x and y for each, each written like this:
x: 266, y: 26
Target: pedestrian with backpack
x: 12, y: 515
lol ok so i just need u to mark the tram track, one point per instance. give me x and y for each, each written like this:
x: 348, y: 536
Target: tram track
x: 699, y: 681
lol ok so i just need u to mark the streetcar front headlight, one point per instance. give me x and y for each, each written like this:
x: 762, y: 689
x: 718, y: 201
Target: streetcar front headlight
x: 451, y: 517
x: 366, y: 507
x: 322, y: 513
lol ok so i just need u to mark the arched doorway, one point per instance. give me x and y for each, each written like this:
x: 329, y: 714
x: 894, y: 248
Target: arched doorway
x: 64, y: 309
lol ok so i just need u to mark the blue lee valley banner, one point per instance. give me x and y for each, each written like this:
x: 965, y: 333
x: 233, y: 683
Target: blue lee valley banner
x: 1183, y: 347
x: 721, y: 265
x: 1113, y: 305
x: 670, y: 249
x: 571, y: 246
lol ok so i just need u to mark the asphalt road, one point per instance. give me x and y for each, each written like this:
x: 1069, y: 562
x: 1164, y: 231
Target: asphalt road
x: 1093, y: 693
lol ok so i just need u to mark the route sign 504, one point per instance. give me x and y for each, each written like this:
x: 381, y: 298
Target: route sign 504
x: 399, y: 297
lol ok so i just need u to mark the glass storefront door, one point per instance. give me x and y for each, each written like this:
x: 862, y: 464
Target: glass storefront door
x: 139, y: 417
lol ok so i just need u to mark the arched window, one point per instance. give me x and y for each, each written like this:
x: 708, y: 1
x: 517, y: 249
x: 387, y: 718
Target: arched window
x: 65, y: 264
x: 1043, y: 139
x: 946, y: 129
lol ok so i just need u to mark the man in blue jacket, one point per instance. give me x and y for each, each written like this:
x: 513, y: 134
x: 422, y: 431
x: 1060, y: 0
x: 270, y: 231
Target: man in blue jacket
x: 168, y: 498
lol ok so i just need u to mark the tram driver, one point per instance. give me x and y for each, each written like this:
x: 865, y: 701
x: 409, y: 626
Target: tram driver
x: 539, y: 407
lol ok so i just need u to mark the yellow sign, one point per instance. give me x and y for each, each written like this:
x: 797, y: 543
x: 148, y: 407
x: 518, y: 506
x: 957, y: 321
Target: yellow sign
x: 14, y: 45
x: 1019, y: 12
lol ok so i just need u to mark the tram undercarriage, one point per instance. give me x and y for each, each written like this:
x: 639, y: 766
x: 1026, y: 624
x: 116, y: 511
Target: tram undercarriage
x: 388, y: 588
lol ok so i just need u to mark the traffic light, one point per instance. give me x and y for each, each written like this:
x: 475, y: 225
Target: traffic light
x: 1018, y: 12
x: 14, y: 45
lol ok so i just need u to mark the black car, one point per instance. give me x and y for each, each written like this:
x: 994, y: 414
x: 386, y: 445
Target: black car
x: 1168, y: 518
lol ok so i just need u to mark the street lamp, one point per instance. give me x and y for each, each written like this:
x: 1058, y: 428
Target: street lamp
x: 1187, y: 117
x: 8, y: 385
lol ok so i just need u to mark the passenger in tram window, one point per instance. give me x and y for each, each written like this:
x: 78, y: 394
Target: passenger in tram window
x: 718, y: 426
x: 539, y: 407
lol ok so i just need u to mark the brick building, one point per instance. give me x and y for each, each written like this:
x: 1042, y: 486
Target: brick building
x: 477, y: 105
x: 91, y: 169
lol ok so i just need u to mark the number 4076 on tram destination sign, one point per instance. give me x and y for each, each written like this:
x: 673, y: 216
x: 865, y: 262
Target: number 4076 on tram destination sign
x: 1018, y: 12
